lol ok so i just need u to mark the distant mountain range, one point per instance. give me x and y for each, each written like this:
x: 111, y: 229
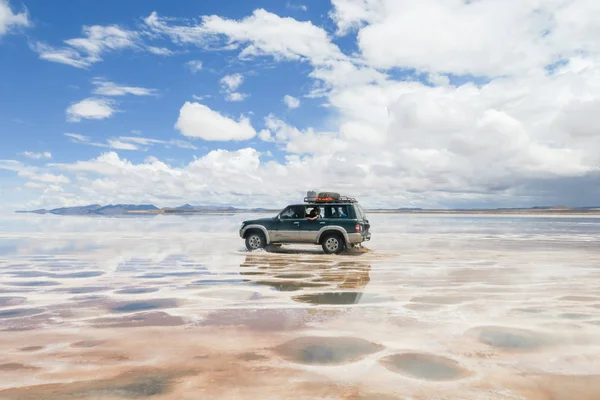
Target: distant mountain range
x: 119, y: 209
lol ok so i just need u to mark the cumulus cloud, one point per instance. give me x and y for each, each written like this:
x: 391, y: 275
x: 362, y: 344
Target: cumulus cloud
x: 229, y: 85
x: 90, y: 108
x: 291, y: 102
x: 476, y: 103
x: 197, y: 120
x: 107, y: 88
x: 37, y: 156
x: 260, y: 33
x: 9, y: 20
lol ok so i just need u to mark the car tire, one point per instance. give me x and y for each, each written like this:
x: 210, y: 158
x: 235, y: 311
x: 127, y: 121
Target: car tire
x: 255, y: 240
x: 333, y: 243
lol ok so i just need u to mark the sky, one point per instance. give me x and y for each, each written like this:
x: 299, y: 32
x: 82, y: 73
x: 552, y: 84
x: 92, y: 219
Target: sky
x: 251, y: 103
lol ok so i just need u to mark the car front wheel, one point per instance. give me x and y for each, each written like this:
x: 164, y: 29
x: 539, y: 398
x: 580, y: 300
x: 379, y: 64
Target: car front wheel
x: 255, y: 241
x: 333, y: 244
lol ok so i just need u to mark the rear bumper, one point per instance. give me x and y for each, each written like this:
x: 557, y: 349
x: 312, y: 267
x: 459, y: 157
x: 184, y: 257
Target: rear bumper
x: 354, y: 238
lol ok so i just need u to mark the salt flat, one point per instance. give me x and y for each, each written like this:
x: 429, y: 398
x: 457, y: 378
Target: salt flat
x: 173, y: 307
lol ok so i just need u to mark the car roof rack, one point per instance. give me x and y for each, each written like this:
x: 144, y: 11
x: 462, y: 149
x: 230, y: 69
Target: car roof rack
x: 325, y: 200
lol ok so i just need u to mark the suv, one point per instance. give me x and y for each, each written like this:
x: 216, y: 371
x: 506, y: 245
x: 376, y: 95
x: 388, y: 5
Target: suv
x: 341, y: 223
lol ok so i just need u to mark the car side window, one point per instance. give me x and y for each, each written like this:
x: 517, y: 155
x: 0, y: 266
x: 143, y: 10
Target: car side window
x: 338, y: 212
x: 292, y: 213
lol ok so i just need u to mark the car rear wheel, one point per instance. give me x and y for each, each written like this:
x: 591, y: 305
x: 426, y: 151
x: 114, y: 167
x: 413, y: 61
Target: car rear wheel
x: 333, y: 243
x: 255, y: 241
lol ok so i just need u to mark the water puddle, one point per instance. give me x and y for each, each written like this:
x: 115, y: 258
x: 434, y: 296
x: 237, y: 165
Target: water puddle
x: 87, y: 289
x: 33, y: 283
x: 11, y: 301
x: 9, y: 367
x: 314, y: 350
x: 137, y: 290
x: 511, y: 338
x: 20, y: 312
x: 425, y: 366
x: 574, y: 316
x: 30, y: 349
x: 133, y: 306
x: 130, y: 385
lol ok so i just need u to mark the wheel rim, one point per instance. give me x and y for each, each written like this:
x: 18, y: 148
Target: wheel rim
x: 254, y: 241
x: 332, y: 244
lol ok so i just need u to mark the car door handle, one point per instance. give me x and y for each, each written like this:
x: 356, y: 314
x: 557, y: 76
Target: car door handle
x: 322, y: 223
x: 296, y: 223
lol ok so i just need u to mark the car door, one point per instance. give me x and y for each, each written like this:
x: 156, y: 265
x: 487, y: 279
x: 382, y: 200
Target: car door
x: 287, y: 225
x: 310, y: 229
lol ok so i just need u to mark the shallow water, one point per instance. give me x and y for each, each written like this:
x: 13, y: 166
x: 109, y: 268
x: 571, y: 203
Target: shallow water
x: 169, y: 307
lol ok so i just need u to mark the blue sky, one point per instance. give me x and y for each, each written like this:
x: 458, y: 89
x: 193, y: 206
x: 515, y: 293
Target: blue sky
x: 429, y: 104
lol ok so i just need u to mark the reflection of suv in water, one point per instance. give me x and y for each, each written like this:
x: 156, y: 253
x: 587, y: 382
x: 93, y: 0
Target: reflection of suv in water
x: 340, y: 223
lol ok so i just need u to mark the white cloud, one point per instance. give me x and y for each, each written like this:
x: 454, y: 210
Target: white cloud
x: 520, y: 135
x: 291, y: 102
x: 9, y: 20
x: 90, y: 108
x: 106, y: 88
x: 232, y: 82
x: 261, y: 33
x: 43, y: 177
x: 235, y: 96
x: 130, y: 142
x: 160, y: 51
x: 87, y: 50
x: 197, y: 120
x: 229, y: 84
x: 37, y: 156
x: 194, y: 65
x: 480, y: 38
x: 77, y: 137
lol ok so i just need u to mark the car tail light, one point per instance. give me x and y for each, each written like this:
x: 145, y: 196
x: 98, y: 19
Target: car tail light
x: 358, y: 228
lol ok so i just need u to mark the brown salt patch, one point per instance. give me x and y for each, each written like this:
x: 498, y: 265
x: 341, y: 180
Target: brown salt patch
x: 9, y: 367
x: 136, y: 384
x: 579, y: 298
x: 84, y: 344
x: 252, y: 357
x: 422, y: 307
x: 260, y: 319
x: 441, y: 299
x: 156, y: 318
x: 427, y: 367
x: 31, y: 348
x: 558, y: 387
x: 11, y: 301
x: 315, y: 350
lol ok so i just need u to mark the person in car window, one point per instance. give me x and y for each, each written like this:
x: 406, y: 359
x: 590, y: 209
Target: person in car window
x: 314, y: 214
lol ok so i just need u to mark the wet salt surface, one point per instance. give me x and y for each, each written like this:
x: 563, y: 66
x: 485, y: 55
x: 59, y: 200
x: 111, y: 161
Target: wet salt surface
x: 173, y: 307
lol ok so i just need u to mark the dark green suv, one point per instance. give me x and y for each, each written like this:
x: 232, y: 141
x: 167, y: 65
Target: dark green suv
x: 334, y: 222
